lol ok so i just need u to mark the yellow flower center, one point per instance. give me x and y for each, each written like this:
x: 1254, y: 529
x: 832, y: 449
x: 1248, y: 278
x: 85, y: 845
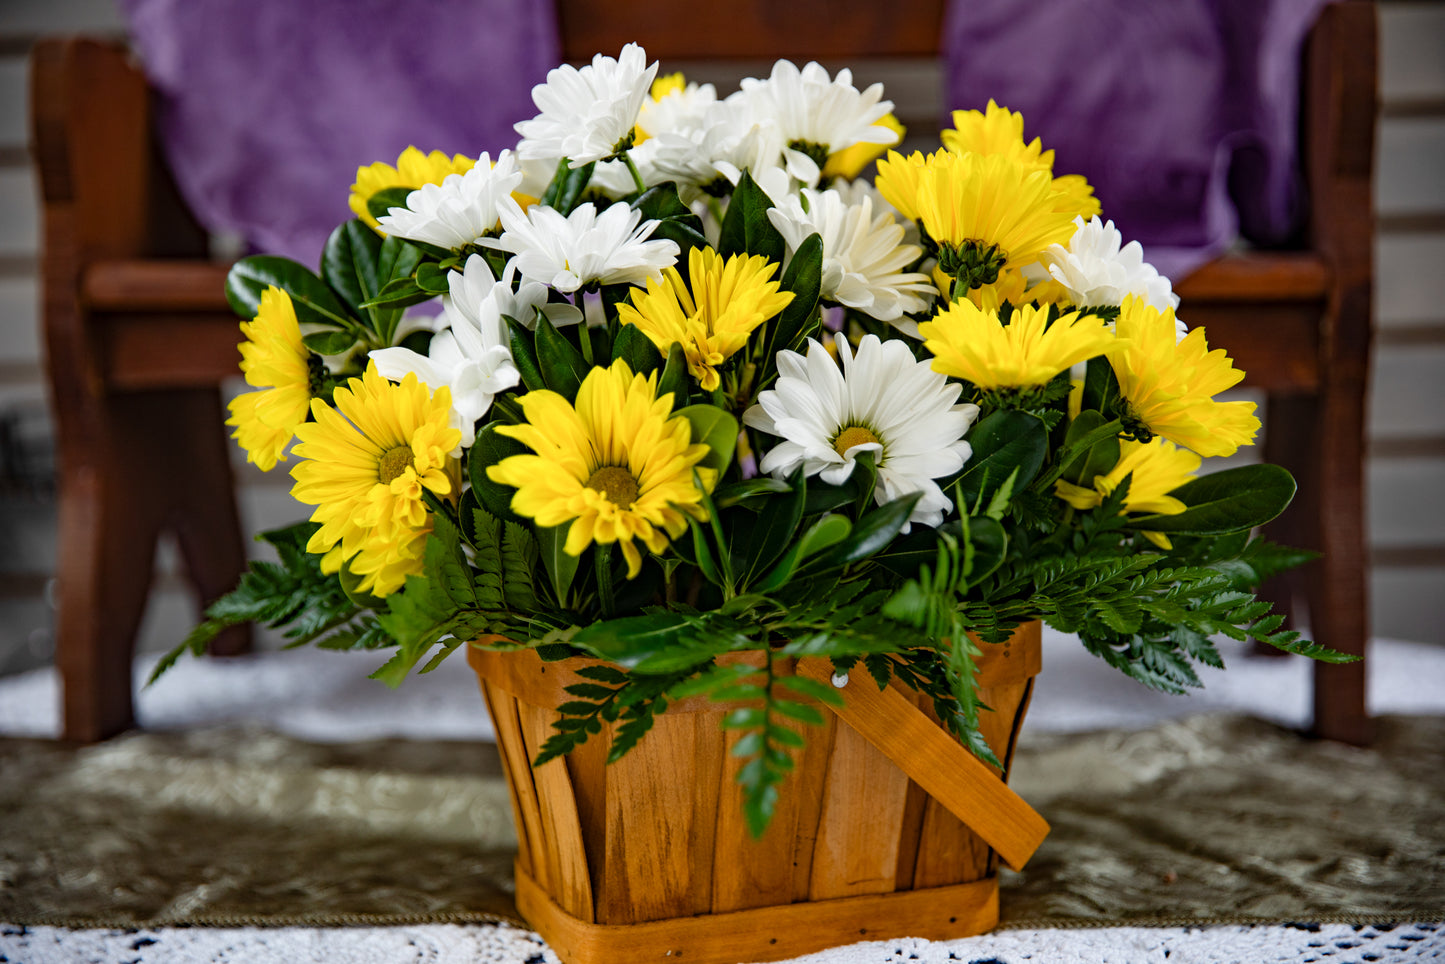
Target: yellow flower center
x: 851, y: 436
x: 617, y: 484
x: 394, y: 463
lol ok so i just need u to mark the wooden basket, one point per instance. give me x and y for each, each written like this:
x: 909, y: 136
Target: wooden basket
x: 887, y: 827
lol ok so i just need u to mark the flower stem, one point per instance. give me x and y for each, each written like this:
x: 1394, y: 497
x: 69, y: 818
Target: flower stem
x: 602, y: 559
x: 632, y: 169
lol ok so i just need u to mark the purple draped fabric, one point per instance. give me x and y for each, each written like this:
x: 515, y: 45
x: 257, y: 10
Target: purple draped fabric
x: 268, y: 107
x: 1183, y: 115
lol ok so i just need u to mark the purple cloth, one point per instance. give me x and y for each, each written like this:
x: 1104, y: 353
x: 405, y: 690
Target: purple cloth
x: 1183, y: 115
x: 268, y: 107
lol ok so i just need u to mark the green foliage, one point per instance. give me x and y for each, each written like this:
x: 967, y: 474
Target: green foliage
x: 746, y: 228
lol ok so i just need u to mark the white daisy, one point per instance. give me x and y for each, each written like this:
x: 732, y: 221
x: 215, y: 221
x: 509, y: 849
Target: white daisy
x: 570, y: 252
x: 727, y: 141
x: 818, y: 115
x: 459, y: 210
x: 883, y: 401
x: 1096, y: 271
x: 471, y: 357
x: 678, y: 110
x: 587, y: 114
x: 863, y: 255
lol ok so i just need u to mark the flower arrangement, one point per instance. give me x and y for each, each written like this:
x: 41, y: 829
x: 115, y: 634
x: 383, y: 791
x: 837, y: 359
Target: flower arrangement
x: 697, y: 387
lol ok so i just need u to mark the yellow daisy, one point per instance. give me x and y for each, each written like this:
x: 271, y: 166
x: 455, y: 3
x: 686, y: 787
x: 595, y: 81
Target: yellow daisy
x: 1170, y: 386
x: 1157, y: 468
x: 850, y: 161
x: 367, y: 462
x: 973, y: 344
x: 897, y: 181
x: 618, y: 466
x: 273, y: 358
x: 1075, y: 197
x: 413, y: 169
x: 1000, y: 131
x: 728, y: 301
x: 989, y: 200
x: 996, y: 130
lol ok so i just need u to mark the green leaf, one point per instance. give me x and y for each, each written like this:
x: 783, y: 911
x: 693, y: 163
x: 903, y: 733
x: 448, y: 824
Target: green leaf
x: 349, y: 264
x: 1228, y: 501
x: 749, y: 492
x: 989, y: 540
x: 807, y: 686
x: 674, y: 376
x: 630, y: 640
x: 490, y: 448
x: 635, y: 348
x: 870, y: 535
x: 1096, y: 460
x: 329, y: 342
x: 560, y: 565
x: 399, y: 293
x: 380, y: 203
x: 567, y: 186
x: 433, y: 278
x: 827, y: 531
x: 662, y: 203
x: 715, y: 428
x: 776, y: 525
x: 314, y: 301
x: 563, y: 366
x: 524, y: 354
x: 746, y: 228
x: 804, y: 278
x: 1005, y: 441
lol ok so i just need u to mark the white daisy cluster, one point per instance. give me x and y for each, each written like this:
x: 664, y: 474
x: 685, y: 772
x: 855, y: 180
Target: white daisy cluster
x: 780, y: 131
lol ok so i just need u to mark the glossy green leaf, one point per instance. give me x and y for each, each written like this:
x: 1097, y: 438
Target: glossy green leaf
x: 827, y: 531
x: 1228, y: 501
x: 870, y: 534
x: 349, y: 264
x: 746, y: 228
x: 524, y: 354
x: 777, y: 522
x: 490, y: 448
x: 399, y: 293
x: 674, y: 377
x: 562, y: 365
x: 1002, y: 443
x: 379, y: 205
x: 804, y: 278
x: 631, y: 639
x: 567, y: 186
x: 635, y: 348
x: 715, y: 428
x: 561, y: 566
x: 749, y: 492
x: 314, y: 301
x: 1098, y: 459
x: 329, y: 342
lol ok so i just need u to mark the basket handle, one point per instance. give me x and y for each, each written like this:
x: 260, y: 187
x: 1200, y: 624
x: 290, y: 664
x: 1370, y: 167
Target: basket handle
x: 942, y: 767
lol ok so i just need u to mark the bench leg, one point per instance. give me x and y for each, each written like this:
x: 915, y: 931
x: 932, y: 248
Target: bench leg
x: 152, y: 467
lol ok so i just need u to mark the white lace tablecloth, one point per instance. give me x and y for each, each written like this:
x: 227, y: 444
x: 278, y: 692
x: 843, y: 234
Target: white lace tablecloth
x: 502, y: 944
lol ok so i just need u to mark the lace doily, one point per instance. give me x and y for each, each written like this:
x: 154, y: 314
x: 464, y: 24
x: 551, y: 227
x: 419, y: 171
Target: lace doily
x: 503, y: 944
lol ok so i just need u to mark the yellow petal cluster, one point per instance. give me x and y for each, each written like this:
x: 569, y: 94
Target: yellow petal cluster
x: 1170, y: 387
x: 366, y: 464
x: 618, y: 465
x: 980, y: 198
x: 998, y: 130
x: 274, y: 359
x: 1154, y: 469
x: 412, y: 170
x: 971, y: 343
x: 712, y: 321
